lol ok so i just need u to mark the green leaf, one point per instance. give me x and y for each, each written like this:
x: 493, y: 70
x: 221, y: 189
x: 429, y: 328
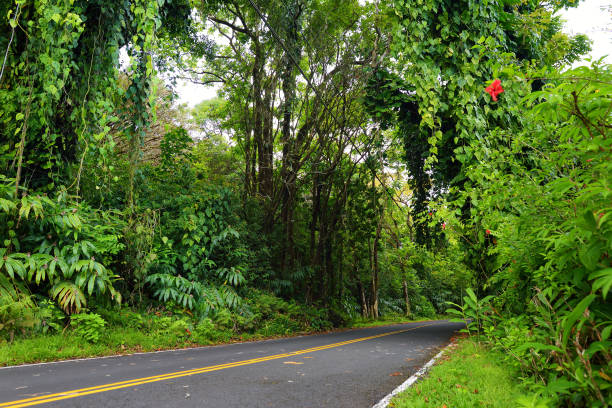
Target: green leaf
x: 471, y: 294
x: 605, y: 333
x: 538, y: 346
x: 589, y: 255
x: 574, y: 316
x: 590, y: 221
x: 90, y: 284
x: 603, y: 280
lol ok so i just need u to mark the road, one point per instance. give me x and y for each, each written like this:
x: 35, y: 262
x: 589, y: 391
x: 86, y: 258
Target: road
x: 352, y: 369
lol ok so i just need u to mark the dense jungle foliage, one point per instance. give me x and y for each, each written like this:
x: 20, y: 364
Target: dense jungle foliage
x: 362, y: 159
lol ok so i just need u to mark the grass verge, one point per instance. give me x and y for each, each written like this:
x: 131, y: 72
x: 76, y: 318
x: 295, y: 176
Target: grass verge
x: 392, y: 319
x: 118, y: 340
x: 468, y: 376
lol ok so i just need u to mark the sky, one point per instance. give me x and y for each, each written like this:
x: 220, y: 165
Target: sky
x: 588, y: 18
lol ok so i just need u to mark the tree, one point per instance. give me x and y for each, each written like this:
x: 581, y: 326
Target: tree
x: 435, y: 98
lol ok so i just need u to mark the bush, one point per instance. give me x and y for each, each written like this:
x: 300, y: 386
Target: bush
x: 205, y: 332
x: 50, y: 317
x: 88, y: 326
x: 179, y: 329
x: 224, y: 319
x: 268, y: 305
x: 160, y: 323
x: 423, y: 308
x: 317, y: 319
x: 111, y: 316
x: 132, y: 319
x: 246, y: 320
x: 279, y: 326
x: 391, y: 306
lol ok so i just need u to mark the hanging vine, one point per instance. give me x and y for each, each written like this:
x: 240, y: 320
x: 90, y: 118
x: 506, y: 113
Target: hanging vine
x: 59, y: 92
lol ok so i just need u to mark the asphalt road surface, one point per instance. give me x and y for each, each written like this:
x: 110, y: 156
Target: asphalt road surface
x: 354, y: 368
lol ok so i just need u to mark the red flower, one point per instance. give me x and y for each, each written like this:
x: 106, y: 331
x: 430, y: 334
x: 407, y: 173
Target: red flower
x: 494, y: 89
x: 443, y: 225
x: 488, y: 232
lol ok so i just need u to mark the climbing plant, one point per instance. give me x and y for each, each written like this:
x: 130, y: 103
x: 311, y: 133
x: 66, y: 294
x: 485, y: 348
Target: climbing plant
x: 60, y: 94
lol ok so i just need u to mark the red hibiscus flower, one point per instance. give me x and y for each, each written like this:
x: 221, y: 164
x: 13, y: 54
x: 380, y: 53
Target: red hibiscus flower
x: 488, y: 232
x: 494, y: 89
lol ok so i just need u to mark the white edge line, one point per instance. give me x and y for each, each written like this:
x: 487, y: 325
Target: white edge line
x: 422, y: 371
x: 138, y: 353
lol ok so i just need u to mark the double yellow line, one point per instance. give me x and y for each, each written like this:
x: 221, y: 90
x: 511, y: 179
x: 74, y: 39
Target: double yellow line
x: 162, y: 377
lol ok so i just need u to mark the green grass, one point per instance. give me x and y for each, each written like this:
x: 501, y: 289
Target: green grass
x: 391, y: 319
x: 54, y: 347
x: 117, y: 340
x: 469, y: 376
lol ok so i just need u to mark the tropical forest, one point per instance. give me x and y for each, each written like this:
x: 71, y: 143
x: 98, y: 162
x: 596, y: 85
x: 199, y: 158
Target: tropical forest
x: 363, y: 162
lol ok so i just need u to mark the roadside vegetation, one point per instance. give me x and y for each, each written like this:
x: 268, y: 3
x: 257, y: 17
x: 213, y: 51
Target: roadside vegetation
x: 360, y: 161
x: 121, y: 330
x: 468, y: 375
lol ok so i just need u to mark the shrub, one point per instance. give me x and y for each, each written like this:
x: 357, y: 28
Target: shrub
x: 279, y: 326
x: 160, y: 323
x: 133, y: 320
x: 246, y: 320
x: 224, y: 319
x: 205, y: 332
x: 317, y: 319
x: 179, y: 329
x: 268, y: 305
x: 50, y: 317
x: 423, y: 308
x: 17, y: 310
x: 88, y: 326
x: 111, y: 316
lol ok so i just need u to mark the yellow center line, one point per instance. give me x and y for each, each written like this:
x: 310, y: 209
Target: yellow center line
x: 162, y: 377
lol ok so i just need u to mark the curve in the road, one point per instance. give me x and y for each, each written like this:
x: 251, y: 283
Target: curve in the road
x: 162, y: 377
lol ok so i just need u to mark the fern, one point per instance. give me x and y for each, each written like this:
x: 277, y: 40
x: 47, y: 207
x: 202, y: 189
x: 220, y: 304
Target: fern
x: 16, y: 307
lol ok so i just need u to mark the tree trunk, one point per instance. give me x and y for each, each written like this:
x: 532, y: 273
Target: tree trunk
x: 340, y: 267
x: 406, y: 298
x: 266, y: 168
x: 248, y: 175
x: 375, y: 266
x: 258, y: 113
x: 364, y: 304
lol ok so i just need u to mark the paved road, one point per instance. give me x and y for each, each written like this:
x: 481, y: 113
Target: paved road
x: 353, y: 369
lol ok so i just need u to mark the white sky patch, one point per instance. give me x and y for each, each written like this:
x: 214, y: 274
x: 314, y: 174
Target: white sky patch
x: 192, y: 94
x: 593, y: 18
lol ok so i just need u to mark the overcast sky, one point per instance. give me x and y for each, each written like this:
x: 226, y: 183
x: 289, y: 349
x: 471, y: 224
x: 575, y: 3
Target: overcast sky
x: 589, y: 18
